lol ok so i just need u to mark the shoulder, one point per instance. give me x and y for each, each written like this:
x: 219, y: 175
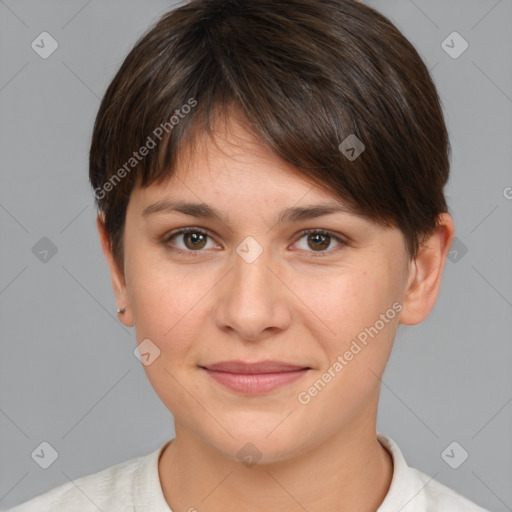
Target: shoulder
x: 414, y: 491
x: 441, y: 498
x: 109, y: 489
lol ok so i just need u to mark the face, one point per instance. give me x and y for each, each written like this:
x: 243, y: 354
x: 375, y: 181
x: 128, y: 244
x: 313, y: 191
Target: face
x: 323, y: 306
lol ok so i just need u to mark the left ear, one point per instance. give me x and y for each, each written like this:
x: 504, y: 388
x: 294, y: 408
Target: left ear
x: 426, y: 272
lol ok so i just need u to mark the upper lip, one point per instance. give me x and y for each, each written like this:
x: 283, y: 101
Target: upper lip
x: 251, y: 368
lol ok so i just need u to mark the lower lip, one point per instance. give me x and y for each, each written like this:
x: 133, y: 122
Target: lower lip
x: 255, y: 383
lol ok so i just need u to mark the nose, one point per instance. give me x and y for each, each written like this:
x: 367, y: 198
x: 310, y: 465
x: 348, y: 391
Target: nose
x: 252, y: 299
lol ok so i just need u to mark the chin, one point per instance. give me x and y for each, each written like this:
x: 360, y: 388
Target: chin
x: 259, y: 442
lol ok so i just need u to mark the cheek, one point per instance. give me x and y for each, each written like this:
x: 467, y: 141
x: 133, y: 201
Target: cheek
x: 163, y: 301
x: 342, y: 301
x: 355, y: 342
x: 163, y: 305
x: 353, y: 316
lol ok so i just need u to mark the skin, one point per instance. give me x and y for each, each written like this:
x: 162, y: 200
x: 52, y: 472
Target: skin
x: 290, y: 305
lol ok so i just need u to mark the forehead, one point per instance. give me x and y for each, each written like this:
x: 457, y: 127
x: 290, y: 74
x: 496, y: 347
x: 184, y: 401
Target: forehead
x: 231, y: 167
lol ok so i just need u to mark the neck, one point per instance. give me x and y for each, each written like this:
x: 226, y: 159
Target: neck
x: 349, y: 471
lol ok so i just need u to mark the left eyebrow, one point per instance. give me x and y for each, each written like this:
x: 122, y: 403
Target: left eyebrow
x: 203, y: 210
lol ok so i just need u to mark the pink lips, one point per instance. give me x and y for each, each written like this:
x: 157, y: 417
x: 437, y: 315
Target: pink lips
x: 254, y: 378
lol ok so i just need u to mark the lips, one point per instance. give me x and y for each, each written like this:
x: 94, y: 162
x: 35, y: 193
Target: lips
x: 254, y: 368
x: 254, y: 378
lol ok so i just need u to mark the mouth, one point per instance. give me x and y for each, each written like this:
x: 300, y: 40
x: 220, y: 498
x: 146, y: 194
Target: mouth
x: 254, y: 378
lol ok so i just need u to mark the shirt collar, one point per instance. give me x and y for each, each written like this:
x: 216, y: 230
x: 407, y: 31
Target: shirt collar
x: 404, y: 493
x: 147, y: 490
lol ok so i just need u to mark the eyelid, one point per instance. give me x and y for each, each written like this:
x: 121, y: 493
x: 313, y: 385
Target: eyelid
x: 187, y: 229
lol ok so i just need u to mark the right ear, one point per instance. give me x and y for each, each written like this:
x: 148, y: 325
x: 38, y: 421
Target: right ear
x: 116, y: 274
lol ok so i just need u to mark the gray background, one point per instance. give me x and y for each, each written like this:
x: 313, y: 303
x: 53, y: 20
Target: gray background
x: 68, y: 375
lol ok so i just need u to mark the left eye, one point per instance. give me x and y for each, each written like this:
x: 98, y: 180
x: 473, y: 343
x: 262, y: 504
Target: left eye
x: 320, y: 240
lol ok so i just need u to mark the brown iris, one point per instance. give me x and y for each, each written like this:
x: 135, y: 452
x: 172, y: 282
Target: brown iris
x: 198, y: 240
x: 323, y: 244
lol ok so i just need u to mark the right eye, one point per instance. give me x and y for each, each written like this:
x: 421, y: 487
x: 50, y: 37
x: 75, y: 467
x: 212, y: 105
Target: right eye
x: 193, y: 240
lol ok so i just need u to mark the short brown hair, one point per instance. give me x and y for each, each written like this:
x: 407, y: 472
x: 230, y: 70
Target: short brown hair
x: 306, y: 74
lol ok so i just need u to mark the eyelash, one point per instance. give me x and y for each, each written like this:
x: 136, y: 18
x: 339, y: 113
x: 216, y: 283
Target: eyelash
x: 303, y: 233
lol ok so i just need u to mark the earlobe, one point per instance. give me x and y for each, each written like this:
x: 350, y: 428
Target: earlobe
x: 117, y: 275
x: 426, y: 273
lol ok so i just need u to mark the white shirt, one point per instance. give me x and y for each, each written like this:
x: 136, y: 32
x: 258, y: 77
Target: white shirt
x: 134, y: 486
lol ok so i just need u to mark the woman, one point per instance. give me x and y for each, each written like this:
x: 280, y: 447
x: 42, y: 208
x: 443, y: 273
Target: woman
x: 269, y: 179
